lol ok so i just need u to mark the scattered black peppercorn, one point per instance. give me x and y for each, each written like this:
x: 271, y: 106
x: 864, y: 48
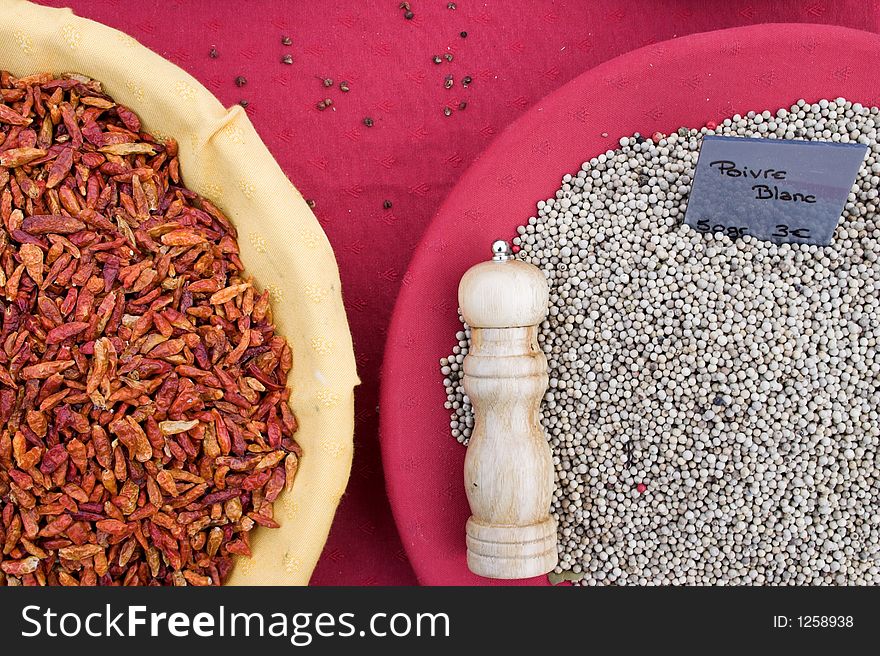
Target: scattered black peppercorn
x: 311, y: 203
x: 451, y: 6
x: 368, y: 122
x: 447, y: 111
x: 466, y: 81
x: 213, y: 54
x: 448, y: 82
x: 387, y: 204
x: 463, y: 35
x: 286, y: 41
x: 448, y: 56
x: 240, y: 81
x: 243, y: 102
x: 462, y: 104
x: 408, y: 15
x: 343, y: 87
x: 287, y: 59
x: 436, y: 59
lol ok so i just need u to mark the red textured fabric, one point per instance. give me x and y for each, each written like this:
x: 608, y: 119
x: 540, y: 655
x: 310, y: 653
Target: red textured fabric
x: 516, y: 52
x: 688, y: 81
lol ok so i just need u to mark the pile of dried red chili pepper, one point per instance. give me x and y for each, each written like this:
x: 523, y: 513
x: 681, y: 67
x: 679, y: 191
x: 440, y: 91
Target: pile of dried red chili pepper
x: 144, y: 419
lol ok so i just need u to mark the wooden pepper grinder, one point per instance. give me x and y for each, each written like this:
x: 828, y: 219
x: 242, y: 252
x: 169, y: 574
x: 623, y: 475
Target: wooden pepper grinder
x: 508, y: 470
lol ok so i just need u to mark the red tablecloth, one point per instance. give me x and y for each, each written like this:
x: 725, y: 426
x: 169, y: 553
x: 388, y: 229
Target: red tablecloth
x: 515, y: 52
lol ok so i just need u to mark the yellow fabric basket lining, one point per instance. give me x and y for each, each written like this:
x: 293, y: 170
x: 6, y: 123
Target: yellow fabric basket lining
x: 282, y: 246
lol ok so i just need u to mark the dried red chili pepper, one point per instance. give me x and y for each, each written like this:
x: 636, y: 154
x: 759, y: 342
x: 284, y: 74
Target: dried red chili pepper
x: 145, y: 427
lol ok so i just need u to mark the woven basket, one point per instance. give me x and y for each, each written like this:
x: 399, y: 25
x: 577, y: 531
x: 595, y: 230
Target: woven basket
x: 282, y: 246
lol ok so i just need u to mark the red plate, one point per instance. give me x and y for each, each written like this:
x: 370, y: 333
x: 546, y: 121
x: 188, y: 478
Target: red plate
x: 687, y: 81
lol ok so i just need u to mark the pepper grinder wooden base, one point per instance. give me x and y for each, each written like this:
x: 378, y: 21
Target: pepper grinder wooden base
x: 511, y: 552
x: 508, y: 467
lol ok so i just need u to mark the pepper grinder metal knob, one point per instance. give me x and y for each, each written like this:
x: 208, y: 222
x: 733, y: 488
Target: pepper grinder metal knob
x: 508, y: 467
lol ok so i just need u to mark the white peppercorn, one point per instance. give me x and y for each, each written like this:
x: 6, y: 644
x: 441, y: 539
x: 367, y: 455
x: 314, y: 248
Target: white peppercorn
x: 713, y: 404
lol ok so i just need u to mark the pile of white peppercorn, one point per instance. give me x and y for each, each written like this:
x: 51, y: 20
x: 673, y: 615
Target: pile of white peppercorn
x: 713, y: 404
